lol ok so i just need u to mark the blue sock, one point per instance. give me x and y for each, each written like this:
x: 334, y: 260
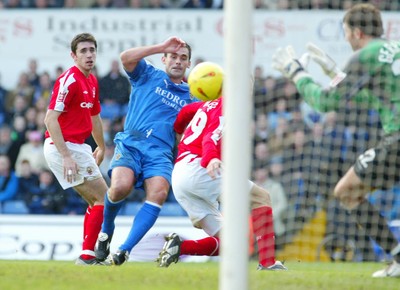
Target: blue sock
x: 111, y: 210
x: 144, y: 220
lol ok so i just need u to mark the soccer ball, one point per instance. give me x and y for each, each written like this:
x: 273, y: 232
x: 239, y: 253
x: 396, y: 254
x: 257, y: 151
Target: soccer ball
x: 205, y: 81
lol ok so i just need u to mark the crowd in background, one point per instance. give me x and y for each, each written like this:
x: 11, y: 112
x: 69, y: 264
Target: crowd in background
x: 298, y: 155
x: 202, y: 4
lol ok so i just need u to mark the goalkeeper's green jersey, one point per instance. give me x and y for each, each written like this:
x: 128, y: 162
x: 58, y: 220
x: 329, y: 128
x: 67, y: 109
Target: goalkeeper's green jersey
x: 373, y: 79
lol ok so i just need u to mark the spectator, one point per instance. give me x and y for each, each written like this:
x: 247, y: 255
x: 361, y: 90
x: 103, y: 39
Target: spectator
x: 158, y: 4
x: 280, y: 138
x: 278, y: 197
x: 280, y: 111
x: 107, y: 131
x: 14, y: 4
x: 258, y: 86
x: 114, y: 92
x: 43, y: 90
x: 262, y: 98
x: 269, y: 85
x: 293, y: 156
x: 68, y: 4
x: 59, y: 69
x: 33, y: 152
x: 197, y: 4
x: 30, y: 119
x: 56, y: 3
x: 136, y: 4
x: 259, y: 4
x: 3, y: 98
x: 48, y: 197
x: 40, y: 126
x: 19, y: 107
x: 8, y: 180
x: 41, y: 4
x: 28, y: 182
x: 261, y: 130
x: 270, y: 4
x: 74, y: 204
x: 41, y: 105
x: 19, y: 129
x: 9, y: 147
x: 276, y: 167
x: 310, y: 116
x: 102, y: 4
x: 118, y: 3
x: 23, y: 88
x: 261, y: 154
x: 32, y: 73
x: 84, y: 3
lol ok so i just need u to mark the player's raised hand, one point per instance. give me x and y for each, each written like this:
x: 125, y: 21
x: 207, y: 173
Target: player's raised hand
x: 173, y: 44
x: 327, y: 64
x: 285, y: 61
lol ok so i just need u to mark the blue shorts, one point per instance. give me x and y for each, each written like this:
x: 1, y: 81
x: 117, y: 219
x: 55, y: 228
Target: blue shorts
x: 145, y: 157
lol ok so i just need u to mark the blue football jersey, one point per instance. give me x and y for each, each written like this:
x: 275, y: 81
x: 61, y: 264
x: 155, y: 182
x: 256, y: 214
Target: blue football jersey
x: 154, y: 104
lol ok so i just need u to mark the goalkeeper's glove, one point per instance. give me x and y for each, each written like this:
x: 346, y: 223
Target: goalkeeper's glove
x: 327, y: 64
x: 285, y: 61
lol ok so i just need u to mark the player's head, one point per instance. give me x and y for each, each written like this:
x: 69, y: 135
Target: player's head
x: 361, y: 22
x: 83, y: 37
x: 84, y: 51
x: 176, y: 63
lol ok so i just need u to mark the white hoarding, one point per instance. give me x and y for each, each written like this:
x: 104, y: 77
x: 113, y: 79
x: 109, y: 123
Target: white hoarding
x: 46, y: 34
x: 50, y: 237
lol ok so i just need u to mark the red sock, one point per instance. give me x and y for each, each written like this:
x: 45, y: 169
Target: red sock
x: 92, y: 227
x: 264, y: 230
x: 87, y: 214
x: 205, y: 247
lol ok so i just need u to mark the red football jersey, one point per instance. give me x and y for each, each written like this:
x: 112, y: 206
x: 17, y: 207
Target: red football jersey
x: 77, y: 97
x: 202, y: 136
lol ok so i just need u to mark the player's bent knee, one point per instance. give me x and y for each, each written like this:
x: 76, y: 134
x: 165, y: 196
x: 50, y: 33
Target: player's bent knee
x: 158, y: 197
x: 118, y: 193
x: 211, y: 224
x: 259, y: 197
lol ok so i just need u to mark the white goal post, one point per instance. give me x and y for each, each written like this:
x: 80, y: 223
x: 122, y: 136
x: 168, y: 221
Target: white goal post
x: 236, y: 145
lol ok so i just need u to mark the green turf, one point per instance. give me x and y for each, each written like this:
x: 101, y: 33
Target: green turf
x: 308, y: 276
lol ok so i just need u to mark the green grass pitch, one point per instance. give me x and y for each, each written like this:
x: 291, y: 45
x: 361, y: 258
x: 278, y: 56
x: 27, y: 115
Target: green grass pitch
x: 59, y: 275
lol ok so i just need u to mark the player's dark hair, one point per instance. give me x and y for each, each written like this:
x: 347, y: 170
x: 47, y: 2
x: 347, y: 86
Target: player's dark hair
x: 82, y: 37
x: 189, y: 51
x: 365, y: 17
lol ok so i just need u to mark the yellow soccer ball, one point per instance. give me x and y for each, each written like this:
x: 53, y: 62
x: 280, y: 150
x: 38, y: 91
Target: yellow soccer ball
x: 205, y: 81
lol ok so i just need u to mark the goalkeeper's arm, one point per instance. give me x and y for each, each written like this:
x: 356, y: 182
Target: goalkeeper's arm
x: 286, y: 62
x: 327, y: 64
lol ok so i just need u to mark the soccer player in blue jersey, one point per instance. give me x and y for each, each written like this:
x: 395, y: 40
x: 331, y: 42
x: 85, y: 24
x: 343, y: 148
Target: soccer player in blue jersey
x: 143, y: 154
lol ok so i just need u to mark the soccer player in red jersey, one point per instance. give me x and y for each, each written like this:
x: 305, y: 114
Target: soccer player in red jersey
x: 73, y: 114
x: 196, y: 181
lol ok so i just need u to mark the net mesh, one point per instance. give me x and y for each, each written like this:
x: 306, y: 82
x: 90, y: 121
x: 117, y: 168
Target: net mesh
x: 300, y: 154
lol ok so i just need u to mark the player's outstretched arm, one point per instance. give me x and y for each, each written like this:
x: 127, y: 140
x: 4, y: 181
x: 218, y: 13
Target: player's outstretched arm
x: 327, y: 64
x: 285, y: 61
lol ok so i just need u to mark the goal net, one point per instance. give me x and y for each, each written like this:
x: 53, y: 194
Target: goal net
x: 301, y: 153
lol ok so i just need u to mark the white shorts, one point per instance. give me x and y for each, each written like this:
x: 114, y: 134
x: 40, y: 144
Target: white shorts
x: 83, y: 156
x: 198, y: 193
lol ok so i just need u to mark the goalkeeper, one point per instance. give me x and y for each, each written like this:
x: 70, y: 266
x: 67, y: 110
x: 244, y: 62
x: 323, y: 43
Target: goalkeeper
x: 371, y: 77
